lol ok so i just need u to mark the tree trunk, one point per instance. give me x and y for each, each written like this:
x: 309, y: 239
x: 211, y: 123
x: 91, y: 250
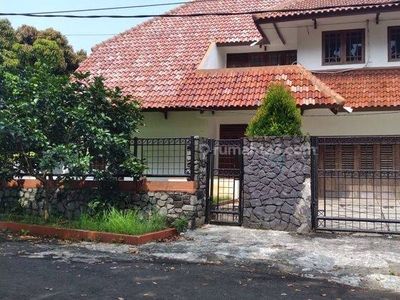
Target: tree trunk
x: 50, y: 188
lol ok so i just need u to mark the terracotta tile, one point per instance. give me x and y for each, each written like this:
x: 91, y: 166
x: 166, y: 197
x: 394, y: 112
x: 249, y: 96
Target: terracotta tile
x: 157, y: 62
x: 378, y: 86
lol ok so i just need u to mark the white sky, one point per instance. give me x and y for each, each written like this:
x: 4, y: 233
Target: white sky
x: 82, y: 33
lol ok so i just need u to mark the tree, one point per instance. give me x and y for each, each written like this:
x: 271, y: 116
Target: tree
x: 277, y: 115
x: 27, y: 45
x: 49, y: 122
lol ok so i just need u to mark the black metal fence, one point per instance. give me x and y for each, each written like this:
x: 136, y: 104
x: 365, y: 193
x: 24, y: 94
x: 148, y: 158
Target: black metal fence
x: 357, y: 184
x: 166, y: 157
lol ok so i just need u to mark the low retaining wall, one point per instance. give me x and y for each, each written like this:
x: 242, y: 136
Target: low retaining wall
x: 277, y: 185
x: 171, y: 199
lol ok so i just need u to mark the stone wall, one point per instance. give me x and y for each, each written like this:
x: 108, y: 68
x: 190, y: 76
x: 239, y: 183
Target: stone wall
x: 277, y: 185
x: 171, y: 203
x: 201, y: 164
x: 72, y: 202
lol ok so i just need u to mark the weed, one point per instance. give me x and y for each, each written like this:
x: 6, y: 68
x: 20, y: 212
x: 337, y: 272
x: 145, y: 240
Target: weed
x: 24, y: 232
x: 111, y: 220
x: 181, y: 224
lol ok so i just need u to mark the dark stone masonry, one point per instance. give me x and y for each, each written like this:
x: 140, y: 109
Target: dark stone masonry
x: 277, y: 189
x: 277, y: 186
x: 71, y: 203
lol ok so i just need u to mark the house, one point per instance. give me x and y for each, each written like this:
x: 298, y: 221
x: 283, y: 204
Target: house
x: 340, y: 59
x: 205, y: 74
x: 205, y: 69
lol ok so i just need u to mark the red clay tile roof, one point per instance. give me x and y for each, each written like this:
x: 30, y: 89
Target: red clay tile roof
x: 150, y: 61
x: 246, y: 87
x: 309, y: 8
x: 366, y: 87
x: 157, y: 63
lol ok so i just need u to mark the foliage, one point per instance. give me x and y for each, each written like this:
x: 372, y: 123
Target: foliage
x: 180, y: 224
x: 113, y: 220
x: 28, y: 46
x: 277, y: 115
x: 126, y: 222
x: 55, y: 129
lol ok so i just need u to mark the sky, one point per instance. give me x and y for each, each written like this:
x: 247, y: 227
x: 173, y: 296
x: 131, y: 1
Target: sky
x: 82, y: 33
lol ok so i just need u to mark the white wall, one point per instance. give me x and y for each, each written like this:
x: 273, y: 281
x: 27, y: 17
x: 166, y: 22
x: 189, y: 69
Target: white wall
x: 213, y: 59
x: 302, y: 36
x: 177, y: 124
x: 323, y: 122
x: 320, y: 122
x: 187, y: 123
x: 376, y: 55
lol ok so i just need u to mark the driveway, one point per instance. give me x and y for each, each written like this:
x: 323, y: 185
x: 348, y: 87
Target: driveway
x: 371, y: 261
x: 34, y: 269
x: 209, y: 263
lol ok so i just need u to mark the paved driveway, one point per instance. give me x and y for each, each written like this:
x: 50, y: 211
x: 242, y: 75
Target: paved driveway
x: 33, y: 269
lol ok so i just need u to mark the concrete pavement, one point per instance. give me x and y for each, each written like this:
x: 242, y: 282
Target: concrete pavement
x: 371, y: 261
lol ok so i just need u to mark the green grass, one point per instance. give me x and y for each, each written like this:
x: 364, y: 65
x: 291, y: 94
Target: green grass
x: 114, y: 221
x: 221, y: 199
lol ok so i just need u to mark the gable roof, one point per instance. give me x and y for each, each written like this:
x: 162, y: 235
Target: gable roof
x: 366, y: 87
x: 300, y: 9
x: 246, y: 87
x: 157, y: 62
x: 151, y: 60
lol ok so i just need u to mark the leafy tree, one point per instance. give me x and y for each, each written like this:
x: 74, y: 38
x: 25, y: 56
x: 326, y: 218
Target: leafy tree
x: 277, y: 115
x: 26, y: 34
x: 56, y: 129
x: 27, y: 46
x: 7, y: 41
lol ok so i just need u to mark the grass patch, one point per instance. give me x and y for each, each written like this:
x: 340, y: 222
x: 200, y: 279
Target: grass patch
x: 220, y: 199
x: 113, y: 221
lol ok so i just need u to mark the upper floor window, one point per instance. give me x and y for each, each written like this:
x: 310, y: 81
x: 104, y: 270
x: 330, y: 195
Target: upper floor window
x: 343, y: 47
x: 241, y: 60
x: 394, y: 43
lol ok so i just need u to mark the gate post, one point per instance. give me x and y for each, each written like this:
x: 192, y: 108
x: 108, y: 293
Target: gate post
x: 209, y: 179
x: 241, y: 182
x: 314, y: 182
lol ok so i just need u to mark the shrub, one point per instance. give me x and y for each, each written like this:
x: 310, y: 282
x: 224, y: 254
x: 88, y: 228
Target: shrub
x: 277, y: 115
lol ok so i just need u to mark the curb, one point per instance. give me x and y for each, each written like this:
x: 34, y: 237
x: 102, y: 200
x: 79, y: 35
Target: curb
x: 78, y: 234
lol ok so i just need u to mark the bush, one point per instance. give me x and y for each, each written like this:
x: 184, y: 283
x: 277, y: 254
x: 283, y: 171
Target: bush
x: 277, y: 115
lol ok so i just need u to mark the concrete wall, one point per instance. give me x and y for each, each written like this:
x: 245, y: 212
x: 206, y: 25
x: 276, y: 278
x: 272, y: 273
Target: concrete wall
x: 303, y: 37
x: 188, y: 123
x: 376, y: 54
x: 214, y: 58
x: 320, y: 122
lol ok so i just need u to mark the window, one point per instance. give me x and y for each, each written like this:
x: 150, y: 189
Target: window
x: 343, y: 47
x: 360, y: 157
x: 394, y: 43
x: 242, y: 60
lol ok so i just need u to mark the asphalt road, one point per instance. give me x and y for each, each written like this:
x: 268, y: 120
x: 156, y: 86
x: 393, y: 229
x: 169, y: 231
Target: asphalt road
x: 33, y: 270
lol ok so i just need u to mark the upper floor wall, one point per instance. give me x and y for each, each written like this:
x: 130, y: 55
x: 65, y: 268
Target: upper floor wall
x: 375, y: 41
x: 309, y: 39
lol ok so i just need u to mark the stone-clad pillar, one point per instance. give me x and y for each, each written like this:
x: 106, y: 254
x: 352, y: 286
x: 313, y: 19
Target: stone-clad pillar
x: 277, y: 185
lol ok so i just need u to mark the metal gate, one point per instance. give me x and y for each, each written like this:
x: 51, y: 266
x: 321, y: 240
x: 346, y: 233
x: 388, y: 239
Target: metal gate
x: 356, y: 184
x: 225, y: 182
